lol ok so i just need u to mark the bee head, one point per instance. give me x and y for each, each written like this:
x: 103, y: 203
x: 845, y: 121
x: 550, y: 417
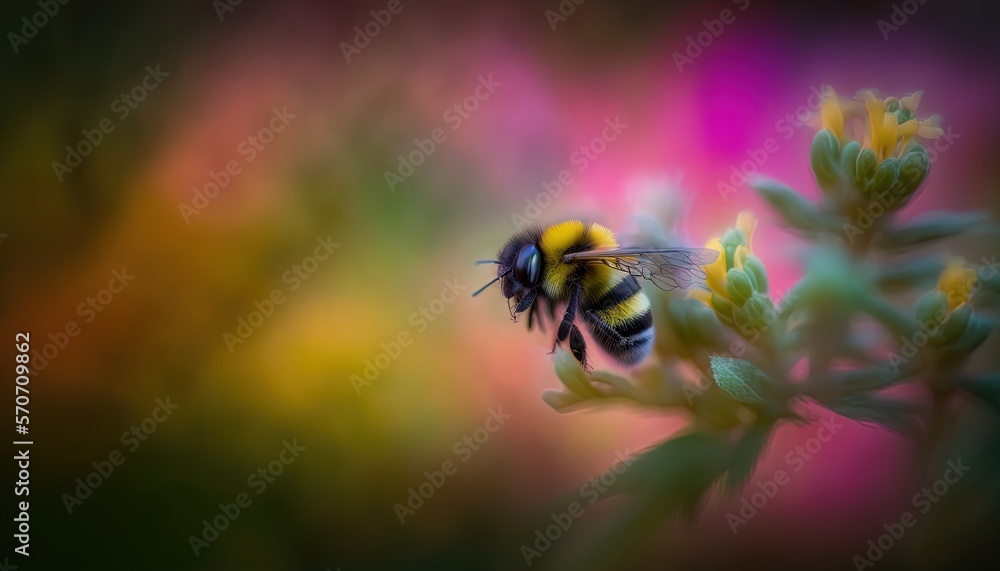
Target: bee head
x: 520, y: 267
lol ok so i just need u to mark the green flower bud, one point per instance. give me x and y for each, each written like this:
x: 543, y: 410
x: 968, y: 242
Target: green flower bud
x: 734, y: 237
x: 892, y: 105
x: 865, y: 167
x: 849, y: 160
x: 913, y: 169
x: 904, y: 115
x: 571, y: 374
x: 976, y: 332
x: 738, y: 286
x: 759, y: 313
x: 755, y: 268
x: 955, y: 325
x: 724, y: 308
x: 884, y: 178
x: 752, y: 278
x: 824, y: 156
x: 931, y: 307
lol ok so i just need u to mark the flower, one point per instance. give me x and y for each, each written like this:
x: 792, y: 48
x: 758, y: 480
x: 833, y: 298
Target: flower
x: 892, y: 123
x: 944, y: 311
x: 957, y: 282
x: 736, y: 273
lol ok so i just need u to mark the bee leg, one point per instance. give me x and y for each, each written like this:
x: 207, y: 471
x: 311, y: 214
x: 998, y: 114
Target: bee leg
x: 578, y: 346
x: 527, y: 302
x: 570, y: 316
x: 601, y: 328
x: 522, y: 304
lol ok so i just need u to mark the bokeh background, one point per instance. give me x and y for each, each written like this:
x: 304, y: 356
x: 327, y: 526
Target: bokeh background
x: 324, y: 175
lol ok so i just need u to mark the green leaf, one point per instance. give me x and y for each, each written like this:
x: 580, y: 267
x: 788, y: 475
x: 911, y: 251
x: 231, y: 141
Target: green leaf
x: 796, y: 210
x: 668, y: 479
x: 917, y: 273
x: 672, y: 470
x: 898, y: 416
x: 854, y: 381
x: 986, y: 388
x: 742, y: 380
x: 930, y: 227
x: 747, y: 453
x: 889, y: 315
x: 560, y: 401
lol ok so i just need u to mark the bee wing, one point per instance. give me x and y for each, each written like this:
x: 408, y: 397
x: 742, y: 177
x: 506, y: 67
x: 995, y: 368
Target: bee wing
x: 666, y: 268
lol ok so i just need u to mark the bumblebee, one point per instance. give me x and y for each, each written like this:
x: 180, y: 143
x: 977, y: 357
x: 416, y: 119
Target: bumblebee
x: 577, y: 267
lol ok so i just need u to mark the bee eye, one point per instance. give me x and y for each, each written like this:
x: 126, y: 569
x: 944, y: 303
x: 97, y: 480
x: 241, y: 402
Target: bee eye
x: 528, y: 265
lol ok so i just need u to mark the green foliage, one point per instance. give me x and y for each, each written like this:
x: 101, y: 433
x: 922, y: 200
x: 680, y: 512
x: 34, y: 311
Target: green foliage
x: 743, y: 381
x: 794, y: 209
x: 726, y: 356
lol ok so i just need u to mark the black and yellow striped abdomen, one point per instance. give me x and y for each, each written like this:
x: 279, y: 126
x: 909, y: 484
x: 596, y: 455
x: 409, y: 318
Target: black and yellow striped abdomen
x: 621, y: 320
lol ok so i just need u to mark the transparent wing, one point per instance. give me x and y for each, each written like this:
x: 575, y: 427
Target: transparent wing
x: 666, y: 268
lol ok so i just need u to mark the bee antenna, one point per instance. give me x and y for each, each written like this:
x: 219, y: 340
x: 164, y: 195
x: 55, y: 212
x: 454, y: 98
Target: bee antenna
x: 493, y: 281
x: 487, y: 262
